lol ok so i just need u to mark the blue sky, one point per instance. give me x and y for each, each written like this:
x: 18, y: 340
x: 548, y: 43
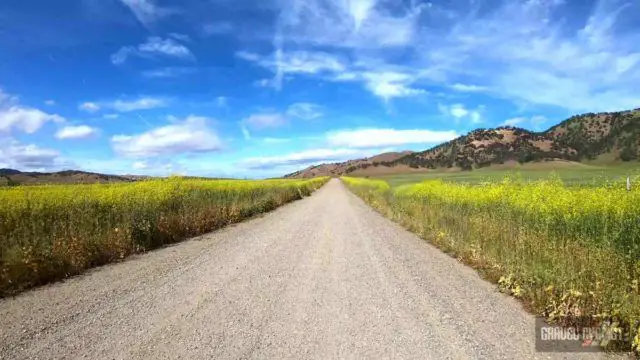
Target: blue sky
x: 262, y: 88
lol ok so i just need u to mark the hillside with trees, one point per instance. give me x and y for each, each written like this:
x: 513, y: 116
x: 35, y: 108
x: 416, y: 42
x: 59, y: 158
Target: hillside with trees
x: 612, y: 137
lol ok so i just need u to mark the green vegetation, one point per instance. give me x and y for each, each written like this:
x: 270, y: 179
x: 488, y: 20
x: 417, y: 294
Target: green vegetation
x: 575, y: 174
x: 53, y: 231
x: 567, y: 252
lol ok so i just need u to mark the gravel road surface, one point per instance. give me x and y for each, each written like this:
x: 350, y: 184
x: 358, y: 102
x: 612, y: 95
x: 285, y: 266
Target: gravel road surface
x: 325, y: 277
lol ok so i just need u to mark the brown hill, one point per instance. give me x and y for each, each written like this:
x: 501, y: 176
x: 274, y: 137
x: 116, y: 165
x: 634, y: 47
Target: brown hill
x: 614, y: 136
x: 351, y: 166
x: 15, y: 177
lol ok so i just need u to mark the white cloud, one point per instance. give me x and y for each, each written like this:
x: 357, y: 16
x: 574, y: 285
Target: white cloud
x: 468, y: 87
x: 168, y: 72
x: 371, y: 27
x: 590, y: 63
x: 119, y: 105
x: 305, y: 111
x: 29, y: 157
x: 192, y: 135
x: 146, y: 11
x: 76, y: 132
x: 543, y: 59
x: 264, y: 120
x: 140, y: 165
x: 460, y: 112
x: 535, y: 123
x: 381, y: 80
x: 363, y: 24
x: 377, y: 138
x: 304, y: 158
x: 517, y: 121
x: 50, y: 102
x: 89, y: 106
x: 14, y: 116
x: 154, y: 46
x: 389, y: 85
x: 143, y: 103
x: 181, y: 37
x: 26, y: 119
x: 296, y: 62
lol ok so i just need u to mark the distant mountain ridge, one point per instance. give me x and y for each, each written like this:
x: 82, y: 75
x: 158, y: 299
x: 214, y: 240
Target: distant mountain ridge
x: 613, y: 136
x: 15, y: 177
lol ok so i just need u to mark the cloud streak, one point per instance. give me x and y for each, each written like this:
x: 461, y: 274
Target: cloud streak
x: 76, y: 132
x: 154, y: 47
x: 146, y: 11
x: 305, y: 157
x: 582, y: 63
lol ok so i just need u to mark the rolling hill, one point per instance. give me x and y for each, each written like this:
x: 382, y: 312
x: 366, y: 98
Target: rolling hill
x: 608, y: 137
x: 16, y: 177
x: 337, y: 169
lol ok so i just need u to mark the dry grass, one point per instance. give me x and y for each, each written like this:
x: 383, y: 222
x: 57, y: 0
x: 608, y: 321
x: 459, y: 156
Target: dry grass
x: 51, y: 232
x: 567, y: 252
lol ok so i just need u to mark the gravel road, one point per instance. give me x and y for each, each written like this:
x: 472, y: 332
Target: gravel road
x: 324, y: 277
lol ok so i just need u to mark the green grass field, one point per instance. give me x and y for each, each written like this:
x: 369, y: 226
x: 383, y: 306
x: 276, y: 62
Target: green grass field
x: 574, y: 174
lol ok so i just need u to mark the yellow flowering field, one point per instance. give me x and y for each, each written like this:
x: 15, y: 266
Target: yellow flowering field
x: 53, y: 231
x: 566, y: 251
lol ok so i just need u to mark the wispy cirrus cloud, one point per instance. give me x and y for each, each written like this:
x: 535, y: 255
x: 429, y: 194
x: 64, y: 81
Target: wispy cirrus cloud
x: 169, y: 72
x: 580, y: 63
x: 305, y: 111
x: 364, y: 27
x: 147, y: 11
x: 142, y: 103
x: 154, y: 47
x: 264, y: 120
x: 386, y: 82
x: 271, y: 119
x: 578, y: 66
x: 365, y: 24
x: 124, y: 105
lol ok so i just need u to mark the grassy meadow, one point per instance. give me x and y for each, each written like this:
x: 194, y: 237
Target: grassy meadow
x: 572, y: 174
x: 50, y: 232
x: 566, y: 251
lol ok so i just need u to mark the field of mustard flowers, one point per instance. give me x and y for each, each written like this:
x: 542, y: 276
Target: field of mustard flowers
x: 568, y: 252
x: 53, y: 231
